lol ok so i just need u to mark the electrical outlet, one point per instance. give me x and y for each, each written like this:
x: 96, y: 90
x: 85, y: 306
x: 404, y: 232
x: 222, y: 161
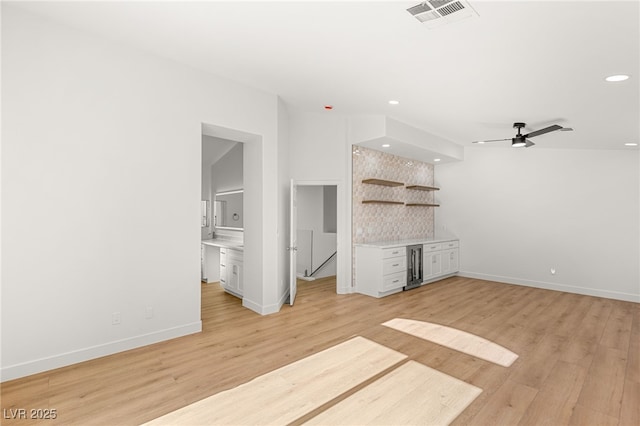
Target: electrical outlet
x: 148, y: 312
x: 116, y: 319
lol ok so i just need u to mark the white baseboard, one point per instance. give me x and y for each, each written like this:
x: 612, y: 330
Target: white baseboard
x: 282, y: 301
x: 62, y: 360
x: 250, y: 304
x: 265, y: 309
x: 345, y: 290
x: 627, y: 297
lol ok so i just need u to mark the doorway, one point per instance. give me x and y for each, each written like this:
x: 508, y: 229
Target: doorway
x: 249, y: 179
x: 315, y: 233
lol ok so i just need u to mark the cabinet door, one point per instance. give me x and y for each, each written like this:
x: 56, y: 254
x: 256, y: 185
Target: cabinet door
x: 450, y: 261
x: 454, y: 260
x: 240, y: 282
x: 235, y: 277
x: 446, y: 262
x: 432, y: 264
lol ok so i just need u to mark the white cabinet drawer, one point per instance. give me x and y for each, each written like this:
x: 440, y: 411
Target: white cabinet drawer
x: 432, y: 247
x: 394, y: 265
x: 450, y: 244
x: 394, y: 252
x: 393, y: 281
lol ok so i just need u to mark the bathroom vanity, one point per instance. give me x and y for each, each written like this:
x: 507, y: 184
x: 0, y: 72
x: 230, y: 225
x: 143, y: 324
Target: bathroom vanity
x: 222, y: 261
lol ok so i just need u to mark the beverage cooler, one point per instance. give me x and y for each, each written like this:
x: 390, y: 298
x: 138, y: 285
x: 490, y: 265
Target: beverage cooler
x: 414, y: 267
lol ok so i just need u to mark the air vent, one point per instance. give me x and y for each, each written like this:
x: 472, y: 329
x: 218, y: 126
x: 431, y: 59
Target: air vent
x: 434, y: 13
x: 419, y: 8
x: 451, y: 8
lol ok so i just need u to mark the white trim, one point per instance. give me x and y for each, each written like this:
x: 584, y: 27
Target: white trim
x: 628, y: 297
x: 69, y: 358
x: 265, y: 309
x: 250, y: 304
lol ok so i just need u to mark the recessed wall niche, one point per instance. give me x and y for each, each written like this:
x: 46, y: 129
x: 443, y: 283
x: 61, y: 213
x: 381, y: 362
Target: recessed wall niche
x: 391, y: 219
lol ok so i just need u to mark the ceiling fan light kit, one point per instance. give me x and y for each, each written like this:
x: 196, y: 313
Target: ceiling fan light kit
x: 518, y: 143
x: 522, y: 141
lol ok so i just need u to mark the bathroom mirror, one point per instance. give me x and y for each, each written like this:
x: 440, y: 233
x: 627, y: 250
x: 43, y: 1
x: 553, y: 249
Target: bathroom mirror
x: 228, y: 211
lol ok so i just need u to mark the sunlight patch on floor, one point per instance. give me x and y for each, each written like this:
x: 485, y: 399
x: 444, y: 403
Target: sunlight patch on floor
x: 453, y: 338
x: 412, y: 394
x: 288, y: 393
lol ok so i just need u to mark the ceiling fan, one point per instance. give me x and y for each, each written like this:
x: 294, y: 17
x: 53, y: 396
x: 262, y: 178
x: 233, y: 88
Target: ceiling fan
x: 521, y: 140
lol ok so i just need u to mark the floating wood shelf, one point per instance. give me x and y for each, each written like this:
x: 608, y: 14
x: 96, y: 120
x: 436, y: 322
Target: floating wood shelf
x: 382, y: 182
x: 381, y: 202
x: 423, y: 188
x: 422, y: 205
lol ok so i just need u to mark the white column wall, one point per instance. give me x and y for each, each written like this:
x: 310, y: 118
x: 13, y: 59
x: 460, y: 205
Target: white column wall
x: 101, y: 148
x: 320, y: 154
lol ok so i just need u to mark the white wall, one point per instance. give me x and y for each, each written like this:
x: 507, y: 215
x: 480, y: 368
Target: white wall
x: 330, y: 207
x: 519, y: 213
x: 101, y: 149
x: 227, y: 172
x: 320, y: 154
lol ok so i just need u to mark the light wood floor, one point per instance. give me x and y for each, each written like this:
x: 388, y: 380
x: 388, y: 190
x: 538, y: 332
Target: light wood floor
x: 579, y: 356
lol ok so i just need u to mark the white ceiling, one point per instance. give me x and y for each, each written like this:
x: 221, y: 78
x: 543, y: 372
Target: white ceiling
x: 214, y: 149
x: 532, y: 61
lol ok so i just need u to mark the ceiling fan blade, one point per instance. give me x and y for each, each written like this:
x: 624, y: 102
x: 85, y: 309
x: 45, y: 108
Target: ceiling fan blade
x: 492, y: 140
x: 528, y: 143
x: 543, y: 131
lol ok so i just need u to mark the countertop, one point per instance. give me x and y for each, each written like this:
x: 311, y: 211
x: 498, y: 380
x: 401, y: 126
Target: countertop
x: 224, y: 243
x: 404, y: 243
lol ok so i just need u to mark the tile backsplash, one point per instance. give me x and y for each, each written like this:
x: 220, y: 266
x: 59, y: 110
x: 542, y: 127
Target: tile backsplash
x: 389, y: 222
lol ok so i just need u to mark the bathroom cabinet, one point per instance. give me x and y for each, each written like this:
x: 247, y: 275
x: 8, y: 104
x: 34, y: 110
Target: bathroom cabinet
x: 231, y: 271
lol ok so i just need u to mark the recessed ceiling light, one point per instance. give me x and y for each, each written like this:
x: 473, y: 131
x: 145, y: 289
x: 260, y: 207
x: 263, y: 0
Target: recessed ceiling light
x: 631, y: 144
x: 394, y: 102
x: 617, y: 77
x: 385, y: 145
x: 480, y: 142
x: 436, y: 159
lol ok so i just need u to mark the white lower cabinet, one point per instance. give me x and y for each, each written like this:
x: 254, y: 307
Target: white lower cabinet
x: 432, y: 261
x: 380, y: 271
x: 231, y: 271
x: 440, y: 260
x: 450, y: 261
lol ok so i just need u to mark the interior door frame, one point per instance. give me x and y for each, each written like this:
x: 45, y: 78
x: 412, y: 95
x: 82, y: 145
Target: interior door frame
x: 252, y: 183
x: 293, y: 240
x: 342, y: 240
